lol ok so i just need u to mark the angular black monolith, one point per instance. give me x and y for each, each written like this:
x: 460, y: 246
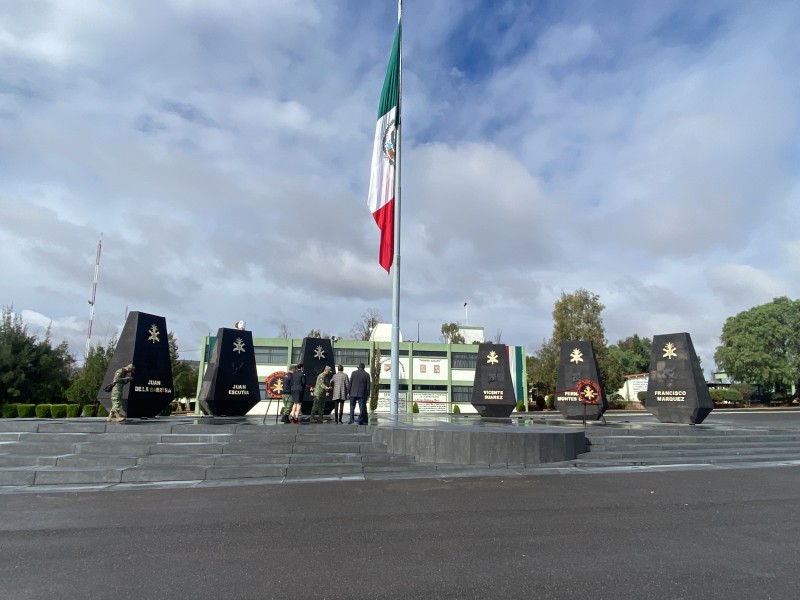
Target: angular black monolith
x: 230, y: 383
x: 677, y: 391
x: 577, y: 363
x: 493, y: 389
x: 315, y: 354
x: 144, y: 344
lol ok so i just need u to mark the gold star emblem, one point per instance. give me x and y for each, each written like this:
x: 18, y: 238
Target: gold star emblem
x: 589, y: 393
x: 491, y: 358
x: 319, y: 352
x: 576, y: 356
x: 154, y: 333
x: 238, y: 345
x: 669, y: 351
x: 277, y: 387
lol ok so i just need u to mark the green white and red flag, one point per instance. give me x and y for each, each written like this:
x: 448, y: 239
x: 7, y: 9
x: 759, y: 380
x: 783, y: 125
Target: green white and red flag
x: 384, y: 157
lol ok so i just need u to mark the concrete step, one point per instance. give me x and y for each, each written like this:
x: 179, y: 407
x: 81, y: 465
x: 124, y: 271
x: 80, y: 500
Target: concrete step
x: 645, y: 453
x: 600, y: 461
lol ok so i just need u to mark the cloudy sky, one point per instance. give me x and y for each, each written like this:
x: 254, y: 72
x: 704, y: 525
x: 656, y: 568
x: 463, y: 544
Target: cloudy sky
x: 645, y: 151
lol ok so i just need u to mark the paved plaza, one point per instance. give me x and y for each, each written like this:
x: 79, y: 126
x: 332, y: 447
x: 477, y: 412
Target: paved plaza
x: 711, y: 533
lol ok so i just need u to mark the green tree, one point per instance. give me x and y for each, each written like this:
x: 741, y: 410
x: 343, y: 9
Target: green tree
x: 184, y: 374
x: 635, y: 354
x: 542, y: 368
x: 451, y: 334
x: 31, y: 370
x: 374, y: 377
x: 577, y: 316
x: 83, y: 389
x: 762, y: 345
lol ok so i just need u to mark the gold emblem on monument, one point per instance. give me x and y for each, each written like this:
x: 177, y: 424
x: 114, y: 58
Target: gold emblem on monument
x: 319, y: 353
x: 238, y: 345
x: 669, y: 351
x: 491, y: 358
x: 154, y: 333
x: 576, y: 356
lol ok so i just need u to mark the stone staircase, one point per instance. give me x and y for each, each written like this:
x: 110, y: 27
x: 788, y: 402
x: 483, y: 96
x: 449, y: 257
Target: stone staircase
x: 687, y: 445
x: 92, y: 452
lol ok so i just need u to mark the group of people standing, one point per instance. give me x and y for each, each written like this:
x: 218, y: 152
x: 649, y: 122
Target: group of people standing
x: 340, y: 387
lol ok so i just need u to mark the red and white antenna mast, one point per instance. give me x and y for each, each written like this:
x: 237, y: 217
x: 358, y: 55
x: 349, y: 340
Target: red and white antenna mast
x: 94, y: 296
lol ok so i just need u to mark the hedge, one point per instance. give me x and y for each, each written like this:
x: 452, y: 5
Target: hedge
x: 520, y: 406
x: 73, y: 410
x: 88, y: 410
x: 550, y: 401
x: 9, y: 411
x: 26, y: 411
x: 725, y: 395
x: 58, y: 411
x: 101, y: 411
x: 43, y: 411
x: 414, y: 408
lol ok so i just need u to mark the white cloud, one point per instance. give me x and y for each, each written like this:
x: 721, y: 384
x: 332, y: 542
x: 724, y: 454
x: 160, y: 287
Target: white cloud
x: 647, y: 154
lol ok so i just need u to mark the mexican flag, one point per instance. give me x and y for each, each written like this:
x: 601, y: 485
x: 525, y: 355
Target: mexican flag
x: 384, y: 155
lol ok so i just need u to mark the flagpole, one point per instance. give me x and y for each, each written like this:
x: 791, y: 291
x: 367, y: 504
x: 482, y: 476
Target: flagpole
x: 395, y: 358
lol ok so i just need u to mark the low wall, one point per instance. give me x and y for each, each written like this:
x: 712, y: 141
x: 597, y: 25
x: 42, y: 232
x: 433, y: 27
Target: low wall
x: 483, y: 446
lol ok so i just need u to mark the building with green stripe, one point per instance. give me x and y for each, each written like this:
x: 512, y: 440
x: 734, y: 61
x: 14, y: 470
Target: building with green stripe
x: 435, y: 376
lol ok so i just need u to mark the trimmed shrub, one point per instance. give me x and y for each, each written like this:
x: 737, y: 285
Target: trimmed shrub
x: 88, y: 410
x: 540, y: 402
x: 73, y: 410
x: 550, y: 401
x: 9, y: 411
x: 26, y: 411
x: 58, y: 411
x: 746, y: 390
x: 101, y: 411
x: 520, y: 406
x: 43, y: 411
x: 456, y: 410
x: 641, y: 396
x: 415, y: 408
x: 725, y: 395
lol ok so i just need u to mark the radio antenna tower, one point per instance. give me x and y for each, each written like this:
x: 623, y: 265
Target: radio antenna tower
x: 94, y: 296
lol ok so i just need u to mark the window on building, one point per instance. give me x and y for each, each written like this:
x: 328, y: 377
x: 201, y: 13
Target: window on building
x: 464, y: 360
x: 461, y: 393
x: 430, y: 388
x: 296, y: 355
x: 350, y: 356
x: 437, y: 353
x: 262, y: 389
x: 273, y: 355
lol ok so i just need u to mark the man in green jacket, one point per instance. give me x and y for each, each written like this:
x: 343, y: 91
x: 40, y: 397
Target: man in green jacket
x: 121, y: 377
x: 320, y: 390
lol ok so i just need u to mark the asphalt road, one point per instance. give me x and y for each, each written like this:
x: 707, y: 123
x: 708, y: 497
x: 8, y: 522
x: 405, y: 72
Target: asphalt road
x: 698, y: 534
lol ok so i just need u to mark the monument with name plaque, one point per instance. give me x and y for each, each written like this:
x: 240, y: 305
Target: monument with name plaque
x: 580, y: 392
x: 315, y: 354
x: 493, y: 389
x: 144, y: 344
x: 677, y: 391
x: 230, y: 384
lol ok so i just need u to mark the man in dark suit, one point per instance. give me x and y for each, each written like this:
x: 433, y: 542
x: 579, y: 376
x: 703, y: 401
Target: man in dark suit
x: 359, y: 391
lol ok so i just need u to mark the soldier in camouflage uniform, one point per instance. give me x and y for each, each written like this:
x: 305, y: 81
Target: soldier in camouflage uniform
x: 287, y: 395
x: 121, y: 377
x: 320, y: 391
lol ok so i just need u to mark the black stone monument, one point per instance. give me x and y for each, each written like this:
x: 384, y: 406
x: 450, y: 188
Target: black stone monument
x: 315, y: 354
x: 230, y: 383
x: 144, y: 344
x: 493, y: 390
x: 677, y: 391
x: 577, y: 364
